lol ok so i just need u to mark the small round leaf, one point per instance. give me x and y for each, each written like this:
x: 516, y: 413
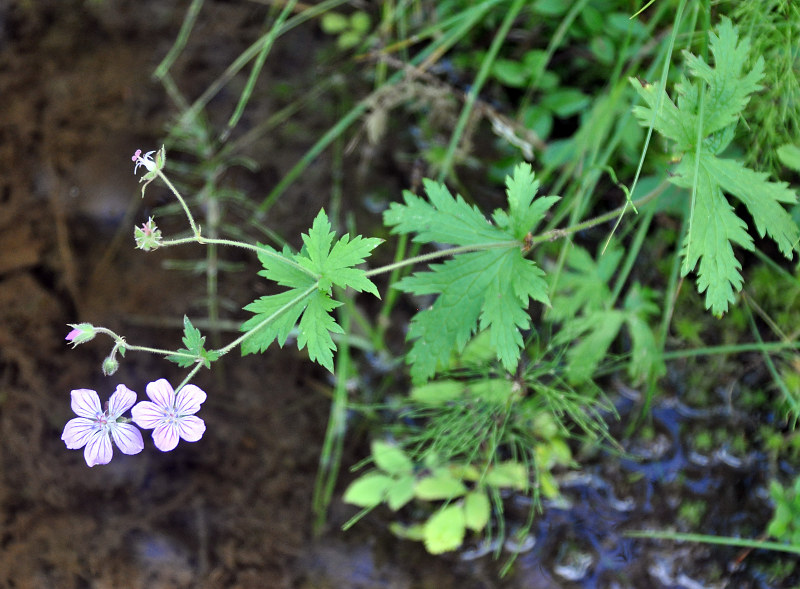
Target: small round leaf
x: 444, y: 531
x: 368, y: 490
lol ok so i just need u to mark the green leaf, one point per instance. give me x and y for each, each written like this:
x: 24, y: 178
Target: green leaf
x: 566, y: 102
x: 445, y: 529
x: 728, y: 90
x: 761, y: 197
x: 486, y: 289
x: 789, y: 156
x: 439, y: 486
x: 360, y: 21
x: 391, y: 459
x: 508, y: 474
x: 510, y: 72
x: 401, y: 492
x: 414, y: 532
x: 438, y: 392
x: 286, y: 311
x: 315, y: 328
x: 283, y: 268
x: 444, y: 220
x: 194, y: 343
x: 713, y: 227
x: 708, y: 110
x: 583, y: 286
x: 594, y: 333
x: 492, y: 286
x: 497, y: 392
x: 368, y: 490
x: 334, y: 23
x: 646, y: 359
x: 477, y: 510
x: 333, y: 262
x: 548, y: 484
x: 581, y: 290
x: 524, y: 213
x: 310, y: 276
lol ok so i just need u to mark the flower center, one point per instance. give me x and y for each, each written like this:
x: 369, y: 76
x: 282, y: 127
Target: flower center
x: 102, y: 421
x: 171, y: 415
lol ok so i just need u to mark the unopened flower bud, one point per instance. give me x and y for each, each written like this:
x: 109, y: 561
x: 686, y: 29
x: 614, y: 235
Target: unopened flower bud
x: 81, y: 333
x: 110, y: 366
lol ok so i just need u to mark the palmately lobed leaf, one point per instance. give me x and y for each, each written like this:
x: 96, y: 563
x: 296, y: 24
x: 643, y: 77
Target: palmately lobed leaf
x: 283, y: 268
x: 317, y: 243
x: 448, y: 324
x: 524, y: 212
x: 285, y: 317
x: 504, y: 309
x: 762, y: 199
x: 728, y: 90
x: 664, y: 116
x: 702, y: 124
x: 493, y: 285
x: 315, y: 328
x: 443, y: 220
x: 713, y: 227
x: 310, y: 274
x: 345, y: 254
x: 194, y: 343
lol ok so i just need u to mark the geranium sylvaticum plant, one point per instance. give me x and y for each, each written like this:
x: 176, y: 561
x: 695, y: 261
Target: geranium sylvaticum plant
x: 488, y: 282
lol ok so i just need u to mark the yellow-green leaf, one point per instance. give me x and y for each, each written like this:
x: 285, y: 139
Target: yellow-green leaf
x: 368, y: 490
x: 548, y: 485
x: 390, y: 458
x: 476, y: 510
x: 438, y: 392
x: 444, y: 531
x: 508, y: 474
x: 413, y: 532
x: 439, y: 486
x: 400, y: 493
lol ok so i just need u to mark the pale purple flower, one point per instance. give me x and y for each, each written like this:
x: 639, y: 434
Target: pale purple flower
x: 94, y: 428
x: 73, y: 335
x: 170, y: 416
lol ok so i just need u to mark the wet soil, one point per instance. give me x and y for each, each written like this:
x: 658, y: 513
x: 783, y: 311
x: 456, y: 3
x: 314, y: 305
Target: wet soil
x: 234, y: 510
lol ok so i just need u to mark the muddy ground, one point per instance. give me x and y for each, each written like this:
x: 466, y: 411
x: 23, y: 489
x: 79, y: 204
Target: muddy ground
x: 233, y: 510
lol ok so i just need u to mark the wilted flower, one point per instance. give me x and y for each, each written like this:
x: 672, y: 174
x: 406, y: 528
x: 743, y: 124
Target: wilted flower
x: 148, y: 236
x: 94, y: 428
x: 170, y: 416
x: 145, y: 160
x: 153, y: 166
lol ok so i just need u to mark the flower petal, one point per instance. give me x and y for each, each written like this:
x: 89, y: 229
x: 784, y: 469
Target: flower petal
x: 147, y: 415
x: 98, y: 449
x: 86, y: 403
x: 165, y: 437
x: 191, y: 428
x: 189, y: 399
x: 122, y: 400
x: 127, y: 438
x: 161, y: 393
x: 77, y: 432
